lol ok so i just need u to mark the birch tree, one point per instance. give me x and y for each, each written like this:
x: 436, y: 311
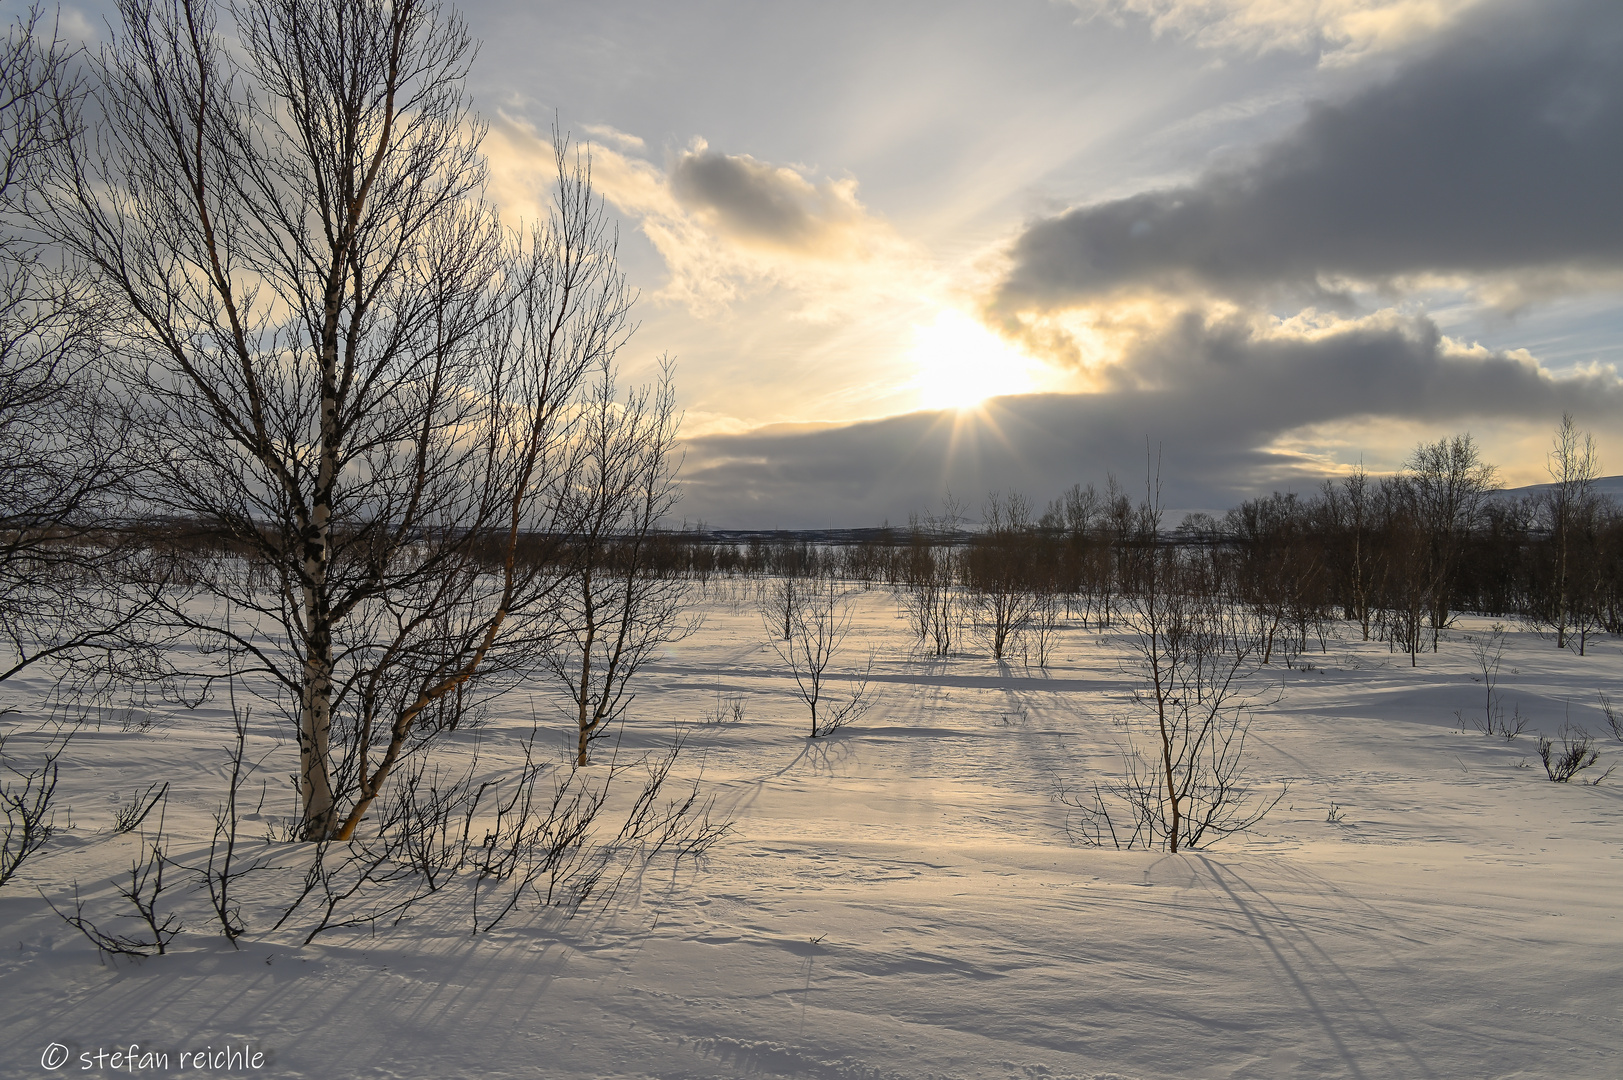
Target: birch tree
x: 347, y: 377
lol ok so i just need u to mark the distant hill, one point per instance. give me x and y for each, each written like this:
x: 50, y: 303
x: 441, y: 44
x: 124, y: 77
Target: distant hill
x: 1606, y: 485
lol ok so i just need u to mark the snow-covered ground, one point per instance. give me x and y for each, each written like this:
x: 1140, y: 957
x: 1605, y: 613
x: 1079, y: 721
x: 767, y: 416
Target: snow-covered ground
x: 902, y: 899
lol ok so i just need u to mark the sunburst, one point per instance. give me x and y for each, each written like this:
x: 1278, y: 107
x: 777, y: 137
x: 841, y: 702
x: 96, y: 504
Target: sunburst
x: 960, y: 363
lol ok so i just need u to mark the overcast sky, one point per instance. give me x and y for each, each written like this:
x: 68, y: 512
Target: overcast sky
x: 898, y: 248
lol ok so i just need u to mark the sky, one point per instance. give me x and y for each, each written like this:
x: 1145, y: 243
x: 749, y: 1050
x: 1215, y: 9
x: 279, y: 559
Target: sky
x: 904, y: 249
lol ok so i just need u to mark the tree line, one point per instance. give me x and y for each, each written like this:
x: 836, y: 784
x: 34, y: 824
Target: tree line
x: 1396, y: 556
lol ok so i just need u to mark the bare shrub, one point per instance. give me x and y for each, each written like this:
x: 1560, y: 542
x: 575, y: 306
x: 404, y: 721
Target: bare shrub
x: 143, y: 891
x: 349, y: 883
x: 129, y: 816
x: 728, y: 709
x: 1506, y: 727
x: 1614, y: 717
x: 220, y: 875
x: 853, y: 706
x: 1577, y: 752
x: 25, y: 799
x: 537, y: 835
x: 1488, y: 650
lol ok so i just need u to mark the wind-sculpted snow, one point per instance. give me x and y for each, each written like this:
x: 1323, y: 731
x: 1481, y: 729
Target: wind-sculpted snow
x: 902, y: 899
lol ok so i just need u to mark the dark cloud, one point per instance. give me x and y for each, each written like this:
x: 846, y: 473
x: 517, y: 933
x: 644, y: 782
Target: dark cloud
x: 762, y: 202
x: 1501, y: 149
x: 1213, y: 395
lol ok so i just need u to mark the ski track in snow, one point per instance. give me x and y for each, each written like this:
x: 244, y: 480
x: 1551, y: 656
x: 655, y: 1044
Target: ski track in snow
x: 901, y: 900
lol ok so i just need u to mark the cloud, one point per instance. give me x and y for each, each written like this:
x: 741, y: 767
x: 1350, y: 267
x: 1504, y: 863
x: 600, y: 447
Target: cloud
x: 522, y: 170
x: 724, y: 225
x: 1270, y: 376
x: 772, y: 206
x: 1496, y: 155
x: 607, y: 134
x: 732, y: 225
x: 1343, y: 28
x: 1226, y: 396
x: 75, y: 26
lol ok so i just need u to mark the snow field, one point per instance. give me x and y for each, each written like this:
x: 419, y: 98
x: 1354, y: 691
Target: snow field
x: 902, y: 900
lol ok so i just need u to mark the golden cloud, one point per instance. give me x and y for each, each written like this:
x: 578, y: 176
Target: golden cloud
x: 725, y: 225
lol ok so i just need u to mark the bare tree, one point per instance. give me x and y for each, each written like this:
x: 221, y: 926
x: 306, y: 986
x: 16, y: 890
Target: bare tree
x: 930, y: 575
x: 1448, y: 480
x: 72, y: 588
x: 820, y: 624
x: 618, y: 609
x: 1122, y: 528
x: 1406, y: 583
x: 779, y: 602
x: 1194, y: 667
x: 1071, y: 518
x: 1350, y: 510
x: 1000, y: 573
x: 1571, y: 507
x: 1045, y: 621
x: 1098, y: 529
x: 346, y: 376
x: 40, y: 352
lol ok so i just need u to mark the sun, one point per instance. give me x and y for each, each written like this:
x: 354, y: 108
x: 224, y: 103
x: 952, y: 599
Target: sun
x: 961, y: 363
